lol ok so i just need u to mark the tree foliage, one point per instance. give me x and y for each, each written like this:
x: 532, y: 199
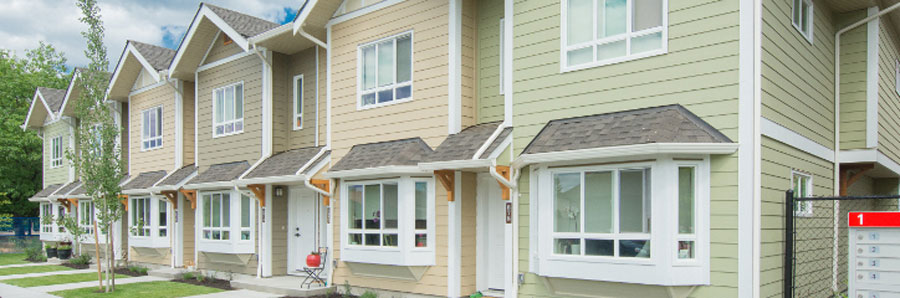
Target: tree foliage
x: 20, y: 151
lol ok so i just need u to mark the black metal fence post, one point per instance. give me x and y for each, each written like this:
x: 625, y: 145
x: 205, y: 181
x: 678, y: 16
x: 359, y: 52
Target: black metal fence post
x: 788, y: 244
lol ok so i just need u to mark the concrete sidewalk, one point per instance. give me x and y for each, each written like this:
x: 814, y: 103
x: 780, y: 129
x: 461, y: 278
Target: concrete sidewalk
x: 49, y: 262
x: 93, y: 283
x: 14, y: 291
x: 73, y: 271
x: 238, y: 294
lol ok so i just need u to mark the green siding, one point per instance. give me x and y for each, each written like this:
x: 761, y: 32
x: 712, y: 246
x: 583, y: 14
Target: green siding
x: 853, y: 83
x: 798, y: 76
x: 888, y: 100
x: 59, y: 174
x: 700, y: 71
x: 490, y: 101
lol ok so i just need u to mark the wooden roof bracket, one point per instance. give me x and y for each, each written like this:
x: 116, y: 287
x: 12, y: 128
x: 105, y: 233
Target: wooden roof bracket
x: 848, y: 179
x: 447, y: 179
x: 172, y: 197
x: 259, y: 190
x: 324, y: 185
x: 124, y: 200
x: 505, y: 191
x: 66, y: 203
x: 191, y: 195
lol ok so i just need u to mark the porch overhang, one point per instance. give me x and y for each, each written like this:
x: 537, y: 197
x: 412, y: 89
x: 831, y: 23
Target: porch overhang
x: 625, y: 151
x: 377, y: 172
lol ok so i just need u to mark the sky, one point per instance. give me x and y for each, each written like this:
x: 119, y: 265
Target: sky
x: 24, y: 23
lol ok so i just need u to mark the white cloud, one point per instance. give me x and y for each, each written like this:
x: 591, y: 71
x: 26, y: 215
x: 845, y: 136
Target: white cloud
x: 23, y: 23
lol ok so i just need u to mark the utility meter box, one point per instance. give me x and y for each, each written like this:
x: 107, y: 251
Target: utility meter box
x: 874, y: 255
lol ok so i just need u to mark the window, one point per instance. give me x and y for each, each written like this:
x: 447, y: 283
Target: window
x: 60, y: 212
x: 687, y: 215
x: 598, y: 32
x: 46, y: 213
x: 151, y: 128
x: 56, y: 156
x: 502, y: 47
x: 228, y: 104
x: 385, y: 71
x: 140, y: 217
x: 162, y: 218
x: 802, y: 17
x: 373, y: 214
x: 802, y: 186
x: 298, y: 101
x: 86, y: 216
x: 217, y: 212
x: 421, y: 229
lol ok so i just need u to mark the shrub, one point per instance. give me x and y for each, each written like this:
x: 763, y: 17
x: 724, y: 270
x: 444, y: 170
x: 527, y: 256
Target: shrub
x: 187, y: 275
x: 34, y: 254
x: 81, y: 260
x: 138, y: 270
x: 369, y: 294
x: 65, y: 247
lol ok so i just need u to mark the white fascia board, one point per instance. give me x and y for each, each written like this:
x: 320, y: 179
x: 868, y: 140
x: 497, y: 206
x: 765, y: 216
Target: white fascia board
x: 313, y: 169
x: 791, y: 138
x: 287, y: 179
x: 274, y: 32
x: 361, y: 12
x: 62, y: 108
x: 869, y: 156
x: 312, y: 160
x: 298, y: 22
x: 223, y: 61
x: 626, y: 151
x: 145, y: 191
x: 376, y: 172
x: 210, y: 185
x: 872, y: 40
x: 130, y: 50
x: 455, y: 164
x: 34, y: 101
x: 205, y: 12
x: 177, y: 186
x: 505, y: 143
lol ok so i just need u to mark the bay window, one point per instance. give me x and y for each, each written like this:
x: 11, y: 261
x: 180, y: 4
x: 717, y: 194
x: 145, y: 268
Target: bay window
x: 634, y: 222
x: 60, y: 212
x: 151, y: 128
x: 385, y: 71
x: 86, y: 216
x: 226, y: 222
x: 46, y: 218
x: 148, y: 222
x: 228, y: 107
x: 140, y: 217
x: 598, y: 32
x: 388, y: 221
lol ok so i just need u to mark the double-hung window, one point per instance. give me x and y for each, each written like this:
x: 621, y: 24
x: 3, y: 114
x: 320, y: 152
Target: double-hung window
x: 140, y: 217
x: 86, y: 216
x: 217, y: 216
x: 373, y: 214
x: 298, y: 101
x: 162, y: 222
x: 56, y: 152
x: 151, y: 128
x: 227, y: 222
x: 385, y: 71
x: 46, y: 215
x: 598, y: 32
x: 228, y: 104
x: 802, y: 185
x: 802, y: 17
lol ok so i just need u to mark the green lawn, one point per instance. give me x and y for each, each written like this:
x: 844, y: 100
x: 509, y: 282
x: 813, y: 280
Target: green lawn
x: 32, y: 269
x: 12, y: 259
x: 55, y: 279
x: 153, y: 289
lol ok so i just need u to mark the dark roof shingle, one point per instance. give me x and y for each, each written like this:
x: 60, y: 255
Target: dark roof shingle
x: 221, y: 172
x: 406, y: 152
x: 158, y: 57
x: 47, y: 191
x: 53, y: 97
x: 65, y: 190
x: 178, y: 175
x: 144, y: 180
x: 463, y: 145
x: 663, y: 124
x: 284, y: 163
x: 244, y: 24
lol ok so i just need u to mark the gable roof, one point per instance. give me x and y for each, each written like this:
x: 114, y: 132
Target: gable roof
x: 284, y: 163
x: 178, y: 176
x: 159, y: 57
x: 405, y: 152
x: 663, y: 124
x: 464, y: 145
x: 135, y: 58
x: 47, y: 191
x: 74, y: 91
x: 48, y: 102
x: 144, y: 180
x: 53, y: 97
x: 245, y: 25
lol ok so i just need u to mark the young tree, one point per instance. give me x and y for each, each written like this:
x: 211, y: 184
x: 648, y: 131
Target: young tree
x: 99, y: 163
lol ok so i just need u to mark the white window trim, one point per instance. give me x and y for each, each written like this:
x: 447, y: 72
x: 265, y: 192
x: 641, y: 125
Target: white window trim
x: 50, y: 234
x: 502, y: 69
x: 663, y: 266
x: 83, y: 204
x: 809, y: 185
x: 812, y: 14
x: 298, y: 90
x: 564, y: 47
x: 233, y: 245
x: 161, y: 128
x: 412, y: 78
x: 153, y: 240
x: 405, y: 254
x: 243, y: 103
x: 56, y: 143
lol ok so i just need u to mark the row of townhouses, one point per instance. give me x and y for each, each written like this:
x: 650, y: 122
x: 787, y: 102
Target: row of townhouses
x: 573, y: 148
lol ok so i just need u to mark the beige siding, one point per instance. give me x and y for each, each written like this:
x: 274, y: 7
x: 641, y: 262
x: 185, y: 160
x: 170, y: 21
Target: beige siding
x: 468, y: 253
x: 221, y: 51
x: 187, y: 231
x: 490, y: 101
x: 853, y: 84
x: 136, y: 256
x: 60, y: 174
x: 188, y: 123
x: 279, y: 235
x: 426, y: 115
x: 798, y: 77
x: 285, y: 68
x: 124, y: 137
x: 162, y: 158
x: 243, y: 146
x: 144, y: 79
x: 469, y: 36
x: 888, y: 99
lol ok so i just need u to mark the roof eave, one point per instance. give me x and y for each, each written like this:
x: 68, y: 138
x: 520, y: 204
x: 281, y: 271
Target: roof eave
x: 271, y: 180
x: 202, y: 12
x: 455, y: 164
x: 376, y: 171
x: 625, y: 151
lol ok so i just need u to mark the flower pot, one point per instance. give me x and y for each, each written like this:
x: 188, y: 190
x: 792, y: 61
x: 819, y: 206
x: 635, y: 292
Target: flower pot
x: 313, y: 260
x: 51, y: 253
x: 64, y: 254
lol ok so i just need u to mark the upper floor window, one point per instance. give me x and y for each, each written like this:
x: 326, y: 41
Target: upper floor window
x: 385, y: 71
x: 598, y: 32
x: 802, y: 17
x: 228, y: 104
x: 56, y: 149
x: 151, y: 128
x: 802, y: 186
x: 298, y: 101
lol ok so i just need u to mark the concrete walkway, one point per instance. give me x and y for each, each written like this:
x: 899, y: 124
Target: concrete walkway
x: 73, y: 271
x: 93, y: 283
x: 237, y: 294
x: 50, y: 262
x: 14, y: 291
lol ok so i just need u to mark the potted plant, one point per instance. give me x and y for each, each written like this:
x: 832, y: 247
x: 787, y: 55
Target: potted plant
x: 64, y: 252
x: 51, y: 250
x: 313, y: 259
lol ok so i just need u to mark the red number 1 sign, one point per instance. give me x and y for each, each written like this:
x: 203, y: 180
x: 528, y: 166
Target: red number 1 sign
x: 874, y: 219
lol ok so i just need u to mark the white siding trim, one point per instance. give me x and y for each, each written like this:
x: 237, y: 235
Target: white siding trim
x: 147, y: 88
x: 328, y: 89
x: 454, y: 241
x: 749, y: 253
x: 223, y: 61
x: 179, y: 124
x: 869, y: 156
x: 454, y: 73
x: 266, y: 104
x: 360, y: 12
x: 872, y: 82
x: 793, y: 139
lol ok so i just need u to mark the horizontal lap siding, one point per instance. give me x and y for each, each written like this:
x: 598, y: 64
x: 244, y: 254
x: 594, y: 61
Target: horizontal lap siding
x: 286, y: 67
x: 157, y: 260
x: 221, y: 51
x: 888, y: 100
x: 778, y: 160
x: 280, y: 236
x: 468, y: 75
x: 188, y: 123
x: 853, y: 84
x: 798, y: 77
x: 243, y: 146
x: 59, y: 175
x: 700, y: 72
x: 162, y: 158
x: 490, y: 101
x: 187, y: 230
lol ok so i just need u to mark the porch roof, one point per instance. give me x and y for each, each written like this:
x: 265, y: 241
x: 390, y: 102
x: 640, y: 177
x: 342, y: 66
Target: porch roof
x: 464, y: 145
x: 223, y: 172
x: 284, y: 163
x: 405, y: 152
x: 144, y: 180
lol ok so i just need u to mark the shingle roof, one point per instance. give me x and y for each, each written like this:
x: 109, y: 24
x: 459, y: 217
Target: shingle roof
x: 80, y: 191
x: 221, y: 172
x: 178, y: 175
x: 312, y: 166
x: 284, y: 163
x: 53, y: 97
x: 144, y: 180
x: 244, y: 24
x: 65, y: 190
x: 47, y: 191
x: 496, y: 143
x: 406, y: 152
x: 158, y: 57
x: 663, y: 124
x: 462, y: 145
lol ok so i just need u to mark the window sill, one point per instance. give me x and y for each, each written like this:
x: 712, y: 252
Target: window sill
x: 647, y: 273
x: 360, y: 107
x: 227, y: 134
x: 151, y: 149
x: 382, y: 256
x: 565, y: 69
x: 226, y: 246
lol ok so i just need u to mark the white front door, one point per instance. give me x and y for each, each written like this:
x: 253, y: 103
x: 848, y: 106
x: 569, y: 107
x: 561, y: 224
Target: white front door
x: 491, y: 235
x: 302, y: 222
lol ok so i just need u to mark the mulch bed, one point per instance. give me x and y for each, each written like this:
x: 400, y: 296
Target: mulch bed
x: 208, y: 282
x: 333, y: 295
x: 73, y: 266
x: 125, y: 271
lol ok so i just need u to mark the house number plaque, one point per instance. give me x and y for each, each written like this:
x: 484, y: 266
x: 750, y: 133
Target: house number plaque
x: 874, y: 242
x: 508, y: 212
